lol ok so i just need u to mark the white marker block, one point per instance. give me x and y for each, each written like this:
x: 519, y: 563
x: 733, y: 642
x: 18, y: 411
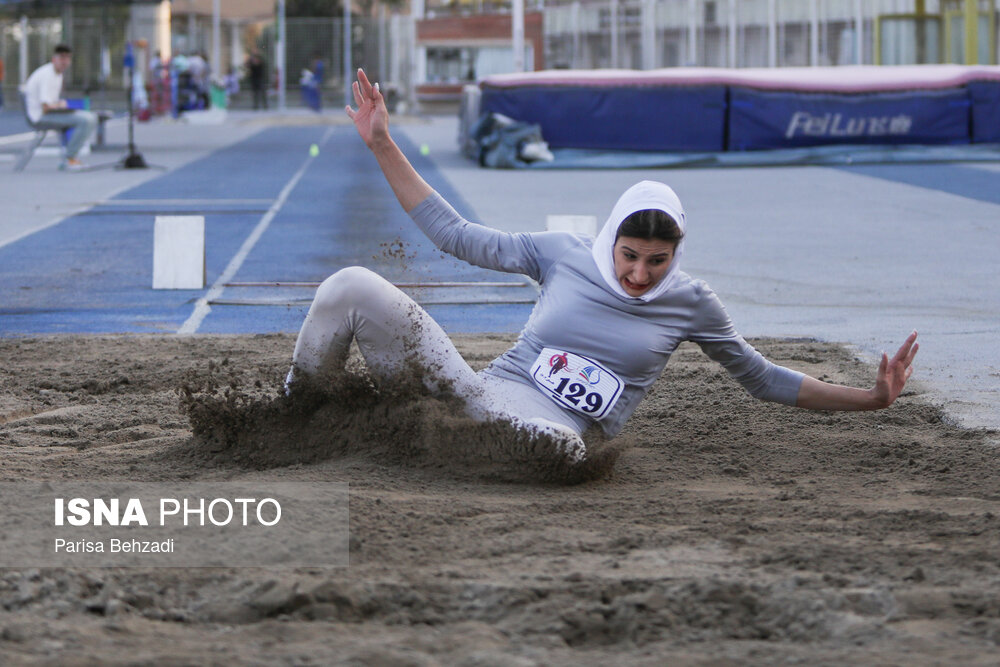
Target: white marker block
x: 578, y: 224
x: 179, y: 252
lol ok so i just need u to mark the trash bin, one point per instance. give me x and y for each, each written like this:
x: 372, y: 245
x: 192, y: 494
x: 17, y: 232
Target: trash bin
x: 217, y: 96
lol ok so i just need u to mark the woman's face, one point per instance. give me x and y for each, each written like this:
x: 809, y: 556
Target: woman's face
x: 641, y: 263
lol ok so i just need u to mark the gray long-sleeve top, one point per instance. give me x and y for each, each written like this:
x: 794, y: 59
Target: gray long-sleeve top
x: 577, y: 311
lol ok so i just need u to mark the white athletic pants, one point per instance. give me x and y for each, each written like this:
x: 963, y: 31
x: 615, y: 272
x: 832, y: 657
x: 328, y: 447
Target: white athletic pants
x: 392, y: 331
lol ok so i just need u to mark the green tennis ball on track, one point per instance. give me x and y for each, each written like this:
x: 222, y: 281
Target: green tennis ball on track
x: 314, y: 150
x: 425, y: 149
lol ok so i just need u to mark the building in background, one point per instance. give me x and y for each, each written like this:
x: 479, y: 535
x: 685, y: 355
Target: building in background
x: 454, y: 50
x: 425, y: 50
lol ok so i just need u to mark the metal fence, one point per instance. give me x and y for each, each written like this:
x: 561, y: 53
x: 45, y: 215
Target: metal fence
x: 587, y: 35
x: 648, y: 34
x: 97, y: 35
x: 380, y: 45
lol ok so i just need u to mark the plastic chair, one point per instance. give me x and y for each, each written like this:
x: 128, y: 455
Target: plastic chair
x: 36, y: 141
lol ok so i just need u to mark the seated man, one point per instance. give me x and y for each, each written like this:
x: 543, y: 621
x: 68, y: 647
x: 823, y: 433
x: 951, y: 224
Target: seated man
x: 47, y: 111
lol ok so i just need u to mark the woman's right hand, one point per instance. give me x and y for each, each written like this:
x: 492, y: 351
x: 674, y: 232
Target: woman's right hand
x: 372, y: 117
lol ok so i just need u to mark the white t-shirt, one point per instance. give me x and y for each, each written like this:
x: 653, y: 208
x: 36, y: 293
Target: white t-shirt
x: 43, y: 87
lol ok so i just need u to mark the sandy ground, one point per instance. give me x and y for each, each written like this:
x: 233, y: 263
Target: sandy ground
x: 727, y: 531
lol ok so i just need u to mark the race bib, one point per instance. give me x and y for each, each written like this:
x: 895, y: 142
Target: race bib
x: 576, y: 382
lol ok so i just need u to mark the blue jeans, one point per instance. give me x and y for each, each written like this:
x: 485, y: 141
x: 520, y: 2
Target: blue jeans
x: 83, y: 123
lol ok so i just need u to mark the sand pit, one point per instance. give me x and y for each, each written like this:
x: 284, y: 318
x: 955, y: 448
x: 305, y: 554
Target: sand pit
x: 716, y: 530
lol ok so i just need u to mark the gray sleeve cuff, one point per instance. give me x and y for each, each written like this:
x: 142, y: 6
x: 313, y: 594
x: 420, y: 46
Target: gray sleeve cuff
x: 782, y: 385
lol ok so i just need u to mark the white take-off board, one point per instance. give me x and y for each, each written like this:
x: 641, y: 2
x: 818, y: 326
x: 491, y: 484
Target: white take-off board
x: 578, y: 224
x: 179, y: 252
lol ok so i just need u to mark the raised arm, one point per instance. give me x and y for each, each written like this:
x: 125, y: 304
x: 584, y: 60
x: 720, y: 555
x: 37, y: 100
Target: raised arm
x: 526, y: 253
x: 892, y: 376
x: 372, y: 122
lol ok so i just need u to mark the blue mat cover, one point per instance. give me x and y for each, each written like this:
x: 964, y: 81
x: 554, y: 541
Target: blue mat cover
x: 647, y: 118
x: 761, y: 119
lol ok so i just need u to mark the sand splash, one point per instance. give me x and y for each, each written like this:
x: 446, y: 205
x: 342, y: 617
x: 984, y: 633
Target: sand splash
x: 402, y: 424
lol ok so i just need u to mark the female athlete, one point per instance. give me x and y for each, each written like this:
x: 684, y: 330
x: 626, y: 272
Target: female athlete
x: 610, y: 312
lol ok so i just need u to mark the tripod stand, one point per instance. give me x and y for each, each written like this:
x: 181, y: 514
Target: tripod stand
x: 134, y: 159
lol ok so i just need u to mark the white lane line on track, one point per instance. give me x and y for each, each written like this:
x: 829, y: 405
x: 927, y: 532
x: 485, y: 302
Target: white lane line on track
x: 16, y: 138
x: 186, y: 202
x: 76, y: 210
x: 202, y: 307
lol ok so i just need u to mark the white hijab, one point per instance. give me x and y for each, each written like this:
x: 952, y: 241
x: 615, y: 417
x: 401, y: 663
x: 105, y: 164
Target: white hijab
x: 641, y: 196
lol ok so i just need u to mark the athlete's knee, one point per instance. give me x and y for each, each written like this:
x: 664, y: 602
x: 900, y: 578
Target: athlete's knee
x: 352, y: 286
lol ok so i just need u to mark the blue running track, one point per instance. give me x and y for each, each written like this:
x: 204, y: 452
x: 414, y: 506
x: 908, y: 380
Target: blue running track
x: 969, y: 182
x: 92, y: 273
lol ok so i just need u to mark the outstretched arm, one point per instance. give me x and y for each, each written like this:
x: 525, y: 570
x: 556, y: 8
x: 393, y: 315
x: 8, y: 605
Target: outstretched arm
x: 892, y: 376
x: 372, y: 122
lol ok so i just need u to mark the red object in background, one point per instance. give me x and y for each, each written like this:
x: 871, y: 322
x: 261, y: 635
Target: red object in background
x: 158, y: 92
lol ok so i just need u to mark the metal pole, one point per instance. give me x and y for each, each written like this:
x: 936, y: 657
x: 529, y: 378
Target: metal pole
x: 216, y: 63
x: 517, y: 34
x: 22, y: 51
x: 280, y: 55
x: 692, y: 33
x: 235, y: 52
x: 395, y: 37
x: 772, y: 33
x: 106, y: 58
x: 348, y: 63
x: 417, y: 66
x: 732, y: 33
x: 971, y: 32
x: 814, y: 33
x: 574, y: 12
x: 921, y: 10
x: 648, y: 35
x: 383, y: 44
x: 614, y: 34
x: 859, y: 24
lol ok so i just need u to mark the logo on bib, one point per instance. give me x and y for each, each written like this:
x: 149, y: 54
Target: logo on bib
x: 591, y: 374
x: 557, y: 362
x: 576, y: 382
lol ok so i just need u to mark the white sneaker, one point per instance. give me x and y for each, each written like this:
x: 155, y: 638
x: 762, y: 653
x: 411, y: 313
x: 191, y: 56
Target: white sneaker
x: 72, y: 164
x: 568, y: 441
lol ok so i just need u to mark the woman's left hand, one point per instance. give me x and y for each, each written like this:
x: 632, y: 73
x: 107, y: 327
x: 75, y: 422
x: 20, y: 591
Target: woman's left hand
x: 372, y: 118
x: 893, y: 373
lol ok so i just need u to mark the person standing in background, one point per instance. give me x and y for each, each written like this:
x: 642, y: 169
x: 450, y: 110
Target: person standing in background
x: 257, y: 73
x: 155, y: 66
x: 198, y: 67
x: 231, y: 83
x: 319, y: 72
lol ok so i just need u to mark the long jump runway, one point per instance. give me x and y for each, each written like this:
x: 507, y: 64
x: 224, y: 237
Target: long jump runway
x: 274, y: 215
